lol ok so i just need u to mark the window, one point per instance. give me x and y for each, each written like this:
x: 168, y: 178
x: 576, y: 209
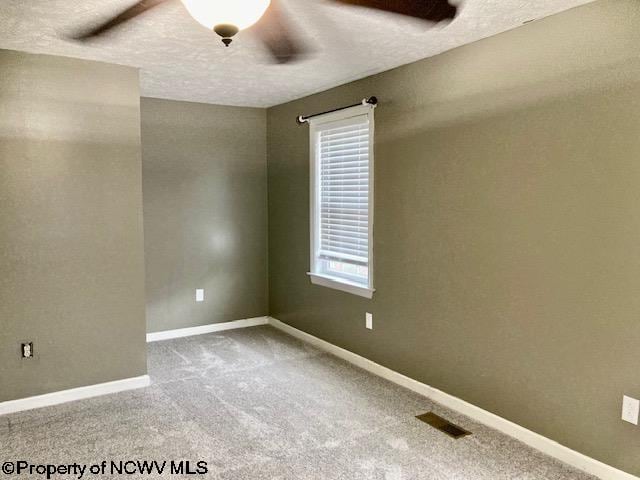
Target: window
x: 341, y: 145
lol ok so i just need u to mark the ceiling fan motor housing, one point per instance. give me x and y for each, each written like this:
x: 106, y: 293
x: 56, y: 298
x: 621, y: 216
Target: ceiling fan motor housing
x: 226, y: 31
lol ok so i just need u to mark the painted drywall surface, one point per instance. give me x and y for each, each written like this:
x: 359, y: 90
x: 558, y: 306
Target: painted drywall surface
x: 71, y: 239
x: 205, y: 213
x: 507, y: 226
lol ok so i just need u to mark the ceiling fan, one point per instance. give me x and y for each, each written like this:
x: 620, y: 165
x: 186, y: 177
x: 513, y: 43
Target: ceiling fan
x: 228, y: 17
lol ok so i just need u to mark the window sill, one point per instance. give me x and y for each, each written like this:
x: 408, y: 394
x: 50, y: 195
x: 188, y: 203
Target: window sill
x: 340, y: 284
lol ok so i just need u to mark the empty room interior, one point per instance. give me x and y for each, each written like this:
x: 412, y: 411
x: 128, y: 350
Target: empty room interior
x: 320, y: 239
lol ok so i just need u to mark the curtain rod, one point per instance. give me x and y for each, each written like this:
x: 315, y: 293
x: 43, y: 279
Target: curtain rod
x: 302, y: 119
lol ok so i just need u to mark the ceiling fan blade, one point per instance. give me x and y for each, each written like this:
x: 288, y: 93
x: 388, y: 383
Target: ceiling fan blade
x: 124, y: 16
x: 432, y: 10
x: 275, y: 33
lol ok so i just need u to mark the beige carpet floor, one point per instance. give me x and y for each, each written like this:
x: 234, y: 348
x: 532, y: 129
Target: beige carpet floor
x: 257, y: 404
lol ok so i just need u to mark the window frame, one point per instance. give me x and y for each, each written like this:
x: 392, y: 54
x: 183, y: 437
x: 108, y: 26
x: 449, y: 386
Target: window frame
x: 315, y: 127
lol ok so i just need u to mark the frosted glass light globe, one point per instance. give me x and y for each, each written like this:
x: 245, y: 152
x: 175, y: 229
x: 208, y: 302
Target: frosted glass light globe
x: 240, y: 13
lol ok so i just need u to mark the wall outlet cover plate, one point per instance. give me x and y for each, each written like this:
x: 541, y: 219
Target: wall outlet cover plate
x: 27, y: 349
x: 630, y: 409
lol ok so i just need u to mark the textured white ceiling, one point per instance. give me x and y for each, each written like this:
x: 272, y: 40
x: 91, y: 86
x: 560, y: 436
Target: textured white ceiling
x: 181, y: 60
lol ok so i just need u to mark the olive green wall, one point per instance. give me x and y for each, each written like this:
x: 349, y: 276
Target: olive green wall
x: 205, y: 212
x: 71, y: 246
x: 507, y: 226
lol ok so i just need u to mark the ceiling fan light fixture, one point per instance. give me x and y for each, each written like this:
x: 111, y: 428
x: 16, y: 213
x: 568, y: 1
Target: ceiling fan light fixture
x: 226, y: 31
x: 240, y: 14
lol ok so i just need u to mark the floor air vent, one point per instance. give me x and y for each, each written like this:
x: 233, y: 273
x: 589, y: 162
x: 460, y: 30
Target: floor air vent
x: 443, y: 425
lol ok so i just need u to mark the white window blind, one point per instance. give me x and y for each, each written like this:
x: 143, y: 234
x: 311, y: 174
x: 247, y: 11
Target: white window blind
x: 342, y: 199
x: 343, y: 153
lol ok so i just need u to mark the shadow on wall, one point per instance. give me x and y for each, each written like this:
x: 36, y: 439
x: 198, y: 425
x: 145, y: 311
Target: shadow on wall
x: 447, y: 108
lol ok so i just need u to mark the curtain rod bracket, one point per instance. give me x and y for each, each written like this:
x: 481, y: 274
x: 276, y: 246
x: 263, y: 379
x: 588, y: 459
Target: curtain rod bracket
x: 301, y: 119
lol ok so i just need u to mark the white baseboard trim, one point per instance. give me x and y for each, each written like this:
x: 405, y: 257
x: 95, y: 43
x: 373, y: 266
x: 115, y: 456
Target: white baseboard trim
x: 535, y: 440
x: 80, y: 393
x: 214, y: 327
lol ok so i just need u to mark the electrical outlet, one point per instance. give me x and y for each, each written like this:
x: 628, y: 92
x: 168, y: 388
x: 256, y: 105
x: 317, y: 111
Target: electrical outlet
x: 369, y: 320
x: 199, y: 295
x: 27, y: 350
x: 630, y: 409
